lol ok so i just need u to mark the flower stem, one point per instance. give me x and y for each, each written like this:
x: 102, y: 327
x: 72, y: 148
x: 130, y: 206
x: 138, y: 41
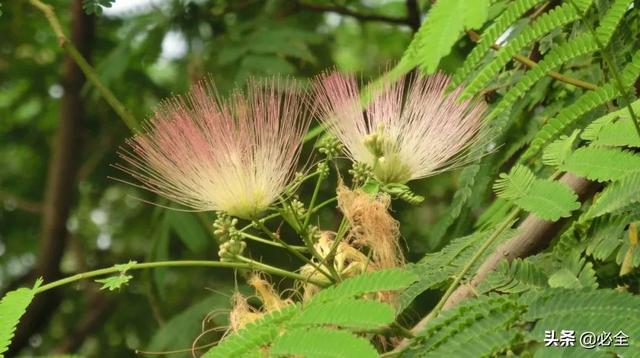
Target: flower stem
x: 272, y: 243
x: 253, y: 264
x: 183, y: 263
x: 297, y: 254
x: 323, y: 204
x: 316, y: 190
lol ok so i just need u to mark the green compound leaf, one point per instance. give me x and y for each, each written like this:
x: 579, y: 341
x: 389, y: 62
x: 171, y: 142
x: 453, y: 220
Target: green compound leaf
x: 616, y: 197
x: 513, y: 12
x: 385, y: 280
x: 602, y: 164
x: 440, y: 31
x: 254, y: 335
x: 13, y: 305
x: 547, y: 199
x: 349, y: 313
x: 321, y: 343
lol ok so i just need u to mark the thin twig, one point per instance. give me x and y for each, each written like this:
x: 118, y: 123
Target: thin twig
x: 248, y: 264
x: 460, y: 275
x: 348, y: 12
x: 606, y: 56
x: 475, y: 37
x: 86, y: 68
x: 20, y: 203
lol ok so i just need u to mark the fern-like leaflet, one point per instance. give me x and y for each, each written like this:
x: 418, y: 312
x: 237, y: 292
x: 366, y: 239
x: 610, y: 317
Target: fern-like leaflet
x: 616, y: 197
x: 513, y: 12
x: 585, y: 103
x: 579, y: 46
x: 559, y: 16
x: 547, y: 199
x: 12, y: 306
x: 339, y: 306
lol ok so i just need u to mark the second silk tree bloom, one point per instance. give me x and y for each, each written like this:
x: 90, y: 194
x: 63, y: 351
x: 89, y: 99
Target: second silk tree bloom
x: 234, y: 155
x: 405, y: 130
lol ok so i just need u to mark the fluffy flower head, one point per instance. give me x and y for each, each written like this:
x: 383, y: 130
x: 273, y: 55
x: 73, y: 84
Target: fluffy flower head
x: 409, y: 129
x: 233, y: 155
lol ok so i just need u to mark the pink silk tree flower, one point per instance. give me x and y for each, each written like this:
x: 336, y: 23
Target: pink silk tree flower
x: 235, y: 155
x: 407, y: 130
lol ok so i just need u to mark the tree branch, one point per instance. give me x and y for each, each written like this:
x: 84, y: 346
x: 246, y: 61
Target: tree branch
x: 84, y: 66
x: 413, y: 14
x: 20, y: 203
x: 62, y: 175
x: 534, y: 235
x: 348, y: 12
x: 475, y: 37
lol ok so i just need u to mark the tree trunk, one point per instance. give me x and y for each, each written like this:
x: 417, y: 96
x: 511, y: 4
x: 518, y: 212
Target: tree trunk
x: 61, y: 180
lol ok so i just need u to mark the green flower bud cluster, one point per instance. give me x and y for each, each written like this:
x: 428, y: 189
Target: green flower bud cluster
x: 330, y: 146
x: 323, y: 169
x: 225, y: 228
x: 231, y: 249
x: 298, y: 207
x: 297, y: 178
x: 231, y: 243
x: 314, y: 233
x: 402, y: 192
x: 360, y: 172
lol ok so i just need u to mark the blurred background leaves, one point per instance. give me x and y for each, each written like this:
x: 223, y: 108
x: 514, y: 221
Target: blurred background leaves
x: 145, y: 51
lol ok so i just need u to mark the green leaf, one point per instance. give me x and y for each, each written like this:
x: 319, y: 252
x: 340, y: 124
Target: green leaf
x: 439, y: 33
x: 466, y: 180
x: 514, y: 277
x: 254, y: 335
x: 515, y: 185
x: 12, y: 306
x: 616, y: 197
x: 321, y: 343
x: 557, y: 152
x: 602, y: 164
x: 437, y: 268
x: 375, y: 281
x: 549, y: 200
x: 347, y: 312
x: 475, y: 328
x: 621, y: 133
x: 563, y: 53
x: 584, y: 104
x: 513, y: 12
x: 114, y: 282
x: 556, y: 17
x: 475, y: 13
x: 601, y: 310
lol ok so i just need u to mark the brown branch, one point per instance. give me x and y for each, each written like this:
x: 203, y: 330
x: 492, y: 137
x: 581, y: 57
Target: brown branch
x: 475, y: 37
x: 20, y: 203
x: 534, y: 235
x: 348, y: 12
x: 61, y: 179
x: 413, y: 14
